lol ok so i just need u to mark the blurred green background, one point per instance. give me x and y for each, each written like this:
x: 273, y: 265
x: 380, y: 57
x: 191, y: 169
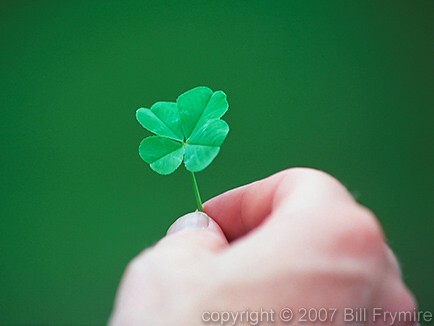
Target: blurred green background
x: 343, y: 86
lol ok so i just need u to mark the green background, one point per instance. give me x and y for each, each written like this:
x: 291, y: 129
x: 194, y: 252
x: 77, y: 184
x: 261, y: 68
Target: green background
x: 343, y: 86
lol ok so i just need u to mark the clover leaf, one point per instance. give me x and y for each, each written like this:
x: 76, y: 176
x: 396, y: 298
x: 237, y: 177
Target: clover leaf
x: 189, y: 130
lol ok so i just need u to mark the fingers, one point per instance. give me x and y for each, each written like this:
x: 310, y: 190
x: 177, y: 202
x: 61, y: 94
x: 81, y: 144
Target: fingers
x: 310, y: 225
x: 314, y: 230
x: 303, y: 213
x: 240, y: 210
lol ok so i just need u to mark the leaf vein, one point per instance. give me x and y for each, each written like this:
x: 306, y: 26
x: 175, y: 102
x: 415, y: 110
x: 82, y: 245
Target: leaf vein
x: 201, y: 115
x: 168, y: 153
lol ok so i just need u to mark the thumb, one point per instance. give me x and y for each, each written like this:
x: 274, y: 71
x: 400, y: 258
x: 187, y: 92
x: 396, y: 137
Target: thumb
x: 153, y: 278
x: 194, y: 233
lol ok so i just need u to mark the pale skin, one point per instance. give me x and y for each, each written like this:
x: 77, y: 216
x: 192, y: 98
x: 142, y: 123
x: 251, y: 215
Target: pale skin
x: 296, y: 239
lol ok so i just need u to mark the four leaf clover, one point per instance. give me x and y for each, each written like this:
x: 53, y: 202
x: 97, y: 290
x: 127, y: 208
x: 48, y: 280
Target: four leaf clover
x: 189, y: 130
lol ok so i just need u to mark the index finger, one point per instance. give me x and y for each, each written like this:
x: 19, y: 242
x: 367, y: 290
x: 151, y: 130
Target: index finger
x: 242, y: 209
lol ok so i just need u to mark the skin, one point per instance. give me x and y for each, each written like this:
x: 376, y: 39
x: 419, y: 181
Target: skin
x: 296, y: 239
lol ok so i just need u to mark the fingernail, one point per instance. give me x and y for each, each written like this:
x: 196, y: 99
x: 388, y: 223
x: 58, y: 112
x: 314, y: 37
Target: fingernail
x: 190, y: 221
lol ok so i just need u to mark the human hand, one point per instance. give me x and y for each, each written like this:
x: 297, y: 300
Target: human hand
x: 294, y: 240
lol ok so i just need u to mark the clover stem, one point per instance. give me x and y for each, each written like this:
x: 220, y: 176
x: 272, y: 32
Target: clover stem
x: 196, y: 193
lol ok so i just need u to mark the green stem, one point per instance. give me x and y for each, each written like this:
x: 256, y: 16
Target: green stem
x: 196, y: 193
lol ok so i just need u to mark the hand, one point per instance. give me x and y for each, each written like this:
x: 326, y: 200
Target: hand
x: 294, y: 240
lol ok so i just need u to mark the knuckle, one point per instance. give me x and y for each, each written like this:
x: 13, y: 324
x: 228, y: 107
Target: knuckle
x: 361, y: 234
x: 368, y: 228
x: 309, y: 180
x: 356, y: 251
x: 140, y: 263
x: 355, y: 256
x: 312, y: 175
x: 133, y: 266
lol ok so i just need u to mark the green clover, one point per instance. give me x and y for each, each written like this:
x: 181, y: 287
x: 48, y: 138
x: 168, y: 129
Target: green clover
x: 189, y: 130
